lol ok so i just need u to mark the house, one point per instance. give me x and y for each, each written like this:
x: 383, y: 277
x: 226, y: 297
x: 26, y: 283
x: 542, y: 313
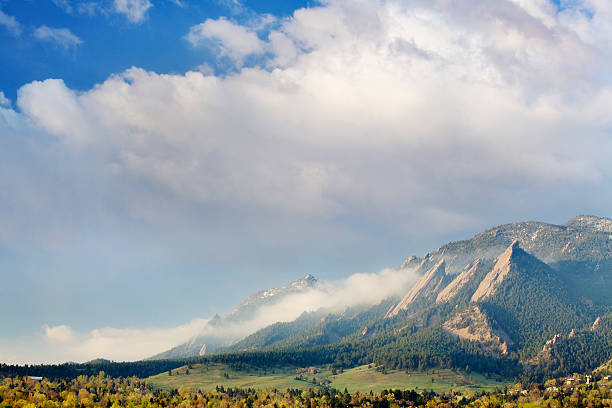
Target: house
x: 589, y: 379
x: 31, y: 377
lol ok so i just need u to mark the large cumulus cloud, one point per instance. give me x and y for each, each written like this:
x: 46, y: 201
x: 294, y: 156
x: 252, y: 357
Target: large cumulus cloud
x: 363, y: 106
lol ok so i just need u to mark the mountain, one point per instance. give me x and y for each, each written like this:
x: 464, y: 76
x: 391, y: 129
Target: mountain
x: 491, y: 303
x: 581, y: 350
x: 580, y: 252
x: 317, y: 328
x: 249, y: 307
x: 426, y: 289
x: 99, y: 361
x: 549, y: 279
x: 223, y: 331
x: 460, y: 281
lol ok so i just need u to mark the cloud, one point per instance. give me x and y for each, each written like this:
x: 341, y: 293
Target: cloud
x: 134, y: 10
x: 61, y: 333
x: 439, y: 105
x: 60, y: 99
x: 359, y: 289
x: 133, y: 344
x: 64, y: 5
x: 4, y: 101
x: 62, y: 343
x: 416, y: 110
x: 60, y: 36
x: 234, y: 41
x: 470, y: 104
x: 90, y: 8
x: 10, y: 23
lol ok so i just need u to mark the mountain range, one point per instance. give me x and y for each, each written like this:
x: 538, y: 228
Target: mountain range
x: 223, y: 331
x: 528, y: 297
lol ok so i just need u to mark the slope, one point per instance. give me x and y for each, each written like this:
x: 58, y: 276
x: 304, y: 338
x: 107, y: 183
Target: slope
x: 223, y: 331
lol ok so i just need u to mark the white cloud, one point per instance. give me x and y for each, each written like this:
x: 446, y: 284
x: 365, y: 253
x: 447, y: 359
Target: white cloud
x: 438, y: 103
x: 133, y: 344
x: 64, y: 5
x: 4, y: 101
x: 235, y: 41
x: 60, y: 36
x: 61, y: 333
x: 470, y: 103
x: 61, y: 114
x: 134, y: 10
x: 10, y: 23
x: 90, y: 8
x: 62, y: 343
x: 357, y: 290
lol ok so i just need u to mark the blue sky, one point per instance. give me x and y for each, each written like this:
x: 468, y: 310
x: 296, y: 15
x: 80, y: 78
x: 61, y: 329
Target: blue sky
x: 111, y: 42
x: 161, y: 160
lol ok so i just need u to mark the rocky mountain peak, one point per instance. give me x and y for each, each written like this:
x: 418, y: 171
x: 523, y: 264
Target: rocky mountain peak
x: 307, y: 281
x: 459, y: 282
x: 514, y: 245
x: 411, y: 262
x: 502, y: 268
x: 512, y: 253
x: 426, y: 289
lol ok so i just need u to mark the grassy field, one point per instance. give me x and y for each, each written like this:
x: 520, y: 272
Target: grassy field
x: 364, y: 378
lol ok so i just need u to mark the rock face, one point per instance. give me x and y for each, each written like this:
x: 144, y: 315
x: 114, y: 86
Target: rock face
x: 411, y: 262
x: 500, y: 271
x: 426, y: 289
x: 596, y: 324
x: 473, y: 324
x: 223, y: 331
x: 459, y: 282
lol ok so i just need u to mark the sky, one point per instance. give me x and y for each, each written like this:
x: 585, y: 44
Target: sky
x: 160, y: 160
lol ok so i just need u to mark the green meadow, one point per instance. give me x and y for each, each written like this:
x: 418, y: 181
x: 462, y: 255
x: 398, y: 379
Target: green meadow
x: 364, y: 378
